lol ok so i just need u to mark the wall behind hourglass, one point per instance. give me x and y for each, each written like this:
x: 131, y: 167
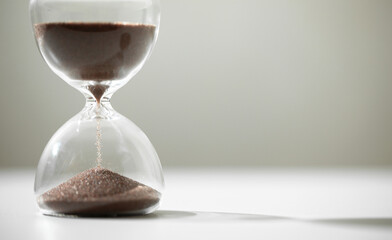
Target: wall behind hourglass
x: 251, y: 82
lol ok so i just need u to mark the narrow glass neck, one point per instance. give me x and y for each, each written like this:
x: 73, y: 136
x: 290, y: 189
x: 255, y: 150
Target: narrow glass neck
x: 97, y: 110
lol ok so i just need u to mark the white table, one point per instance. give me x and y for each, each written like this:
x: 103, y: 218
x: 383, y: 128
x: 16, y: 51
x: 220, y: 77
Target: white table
x: 254, y: 203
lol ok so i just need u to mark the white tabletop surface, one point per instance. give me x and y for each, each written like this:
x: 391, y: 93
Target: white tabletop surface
x: 228, y: 203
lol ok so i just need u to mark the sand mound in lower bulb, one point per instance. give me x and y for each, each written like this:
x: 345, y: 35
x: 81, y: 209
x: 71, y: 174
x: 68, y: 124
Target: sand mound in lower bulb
x: 99, y: 191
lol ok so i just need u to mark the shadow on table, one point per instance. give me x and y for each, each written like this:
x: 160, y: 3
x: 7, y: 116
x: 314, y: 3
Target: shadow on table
x: 205, y: 216
x: 356, y: 222
x: 223, y: 217
x: 199, y: 216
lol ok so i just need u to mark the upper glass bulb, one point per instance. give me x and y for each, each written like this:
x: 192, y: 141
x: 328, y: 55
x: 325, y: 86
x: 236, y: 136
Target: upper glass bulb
x: 95, y: 45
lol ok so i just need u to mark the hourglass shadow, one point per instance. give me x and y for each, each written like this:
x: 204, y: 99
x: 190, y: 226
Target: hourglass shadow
x: 224, y: 217
x: 356, y: 222
x: 201, y: 216
x: 172, y: 215
x: 213, y: 217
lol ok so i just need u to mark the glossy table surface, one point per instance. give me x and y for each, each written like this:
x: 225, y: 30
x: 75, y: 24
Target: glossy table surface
x: 224, y: 203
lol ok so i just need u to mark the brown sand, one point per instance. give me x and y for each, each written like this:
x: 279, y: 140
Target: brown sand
x: 95, y: 51
x: 99, y: 191
x: 98, y: 91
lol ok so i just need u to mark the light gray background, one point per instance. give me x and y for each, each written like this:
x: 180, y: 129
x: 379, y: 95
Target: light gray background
x: 230, y: 82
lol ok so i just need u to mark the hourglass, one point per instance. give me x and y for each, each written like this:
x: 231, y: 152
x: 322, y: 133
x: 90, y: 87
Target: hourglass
x: 98, y: 162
